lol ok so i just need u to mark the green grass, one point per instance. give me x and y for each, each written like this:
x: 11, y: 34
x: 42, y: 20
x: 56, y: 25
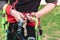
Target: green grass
x: 0, y: 18
x: 50, y: 25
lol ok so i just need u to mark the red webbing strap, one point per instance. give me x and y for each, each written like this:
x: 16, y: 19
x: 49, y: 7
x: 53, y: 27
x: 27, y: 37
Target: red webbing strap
x: 14, y: 4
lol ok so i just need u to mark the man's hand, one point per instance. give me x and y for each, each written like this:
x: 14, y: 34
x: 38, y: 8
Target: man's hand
x: 17, y: 15
x: 30, y: 17
x: 35, y: 14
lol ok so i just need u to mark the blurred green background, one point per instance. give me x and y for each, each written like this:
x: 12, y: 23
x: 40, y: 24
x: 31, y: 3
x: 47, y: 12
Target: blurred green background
x: 50, y: 24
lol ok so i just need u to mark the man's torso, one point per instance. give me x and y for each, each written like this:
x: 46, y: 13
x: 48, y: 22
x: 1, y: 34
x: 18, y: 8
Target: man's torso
x: 26, y: 5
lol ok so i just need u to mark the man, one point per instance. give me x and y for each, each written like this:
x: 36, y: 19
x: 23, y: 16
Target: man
x: 25, y: 7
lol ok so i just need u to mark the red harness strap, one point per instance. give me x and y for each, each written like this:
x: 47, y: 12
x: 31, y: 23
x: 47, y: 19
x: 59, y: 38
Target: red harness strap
x: 14, y: 4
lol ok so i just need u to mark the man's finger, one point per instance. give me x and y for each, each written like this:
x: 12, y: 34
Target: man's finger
x: 33, y: 13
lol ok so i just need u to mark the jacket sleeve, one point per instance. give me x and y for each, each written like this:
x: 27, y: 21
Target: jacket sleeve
x: 6, y: 1
x: 2, y: 3
x: 7, y: 8
x: 4, y: 6
x: 52, y: 1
